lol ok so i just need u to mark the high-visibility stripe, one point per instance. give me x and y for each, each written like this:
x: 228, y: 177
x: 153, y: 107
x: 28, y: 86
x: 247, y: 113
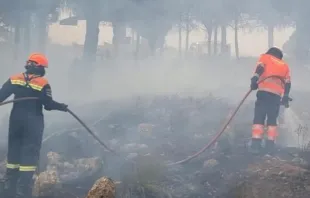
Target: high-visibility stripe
x: 27, y: 168
x: 12, y: 166
x: 36, y: 87
x: 257, y: 131
x: 23, y: 83
x: 272, y: 132
x: 18, y: 82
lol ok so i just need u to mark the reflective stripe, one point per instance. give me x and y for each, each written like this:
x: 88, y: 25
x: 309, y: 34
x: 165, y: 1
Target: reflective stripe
x: 36, y: 87
x: 35, y: 82
x: 23, y: 83
x: 257, y: 131
x: 12, y: 166
x: 272, y: 132
x: 18, y: 82
x: 27, y: 168
x: 256, y: 136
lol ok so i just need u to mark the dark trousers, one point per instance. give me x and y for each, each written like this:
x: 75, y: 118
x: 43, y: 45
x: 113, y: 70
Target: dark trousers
x: 267, y: 106
x: 25, y: 137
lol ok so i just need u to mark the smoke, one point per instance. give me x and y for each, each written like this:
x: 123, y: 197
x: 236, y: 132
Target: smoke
x: 122, y: 80
x: 296, y: 133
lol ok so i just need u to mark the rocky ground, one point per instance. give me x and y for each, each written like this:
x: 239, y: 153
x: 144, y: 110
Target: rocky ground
x: 150, y: 133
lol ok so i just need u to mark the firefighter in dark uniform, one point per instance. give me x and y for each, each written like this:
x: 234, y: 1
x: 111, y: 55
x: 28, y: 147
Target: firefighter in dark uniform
x: 26, y: 125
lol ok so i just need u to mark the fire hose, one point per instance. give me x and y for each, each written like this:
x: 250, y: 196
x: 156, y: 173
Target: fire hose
x: 207, y: 146
x: 218, y: 135
x: 72, y: 114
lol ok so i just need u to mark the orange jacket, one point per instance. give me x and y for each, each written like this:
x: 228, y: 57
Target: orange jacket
x: 273, y: 67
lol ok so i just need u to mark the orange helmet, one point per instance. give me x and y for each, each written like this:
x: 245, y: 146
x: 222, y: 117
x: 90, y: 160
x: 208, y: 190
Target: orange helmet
x: 39, y: 59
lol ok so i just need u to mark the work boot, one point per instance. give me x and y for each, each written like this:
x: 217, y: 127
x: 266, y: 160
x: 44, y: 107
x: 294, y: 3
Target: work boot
x: 270, y: 147
x: 256, y: 146
x: 8, y: 183
x: 25, y: 185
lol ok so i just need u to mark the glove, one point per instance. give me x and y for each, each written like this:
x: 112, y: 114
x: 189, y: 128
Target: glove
x: 63, y: 107
x: 254, y: 85
x: 285, y: 101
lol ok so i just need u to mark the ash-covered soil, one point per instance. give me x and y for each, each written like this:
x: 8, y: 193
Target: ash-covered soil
x: 151, y: 132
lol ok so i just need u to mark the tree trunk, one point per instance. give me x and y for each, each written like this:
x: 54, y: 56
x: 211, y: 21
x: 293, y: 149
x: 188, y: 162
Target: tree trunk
x: 270, y: 35
x: 17, y: 33
x: 152, y: 44
x: 138, y: 39
x: 301, y: 50
x: 180, y: 39
x: 236, y: 37
x: 187, y: 34
x: 223, y: 39
x: 92, y: 15
x: 26, y: 32
x: 41, y: 32
x: 132, y: 36
x: 91, y: 39
x: 215, y: 40
x: 16, y: 40
x: 119, y: 34
x: 209, y: 30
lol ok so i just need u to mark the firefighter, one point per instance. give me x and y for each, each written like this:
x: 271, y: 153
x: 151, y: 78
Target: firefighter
x: 272, y: 92
x: 26, y: 125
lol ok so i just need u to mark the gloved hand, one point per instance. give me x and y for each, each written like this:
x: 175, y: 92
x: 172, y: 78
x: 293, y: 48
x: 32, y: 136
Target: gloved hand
x: 285, y: 101
x: 254, y: 85
x: 63, y: 107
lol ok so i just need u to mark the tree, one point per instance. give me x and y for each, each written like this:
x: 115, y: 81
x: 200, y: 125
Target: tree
x: 266, y: 14
x: 206, y: 13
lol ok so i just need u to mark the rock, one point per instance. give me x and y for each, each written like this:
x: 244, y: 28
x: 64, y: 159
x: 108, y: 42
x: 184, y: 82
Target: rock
x: 87, y: 164
x: 211, y: 163
x: 103, y: 188
x: 46, y: 183
x: 49, y: 182
x: 145, y: 129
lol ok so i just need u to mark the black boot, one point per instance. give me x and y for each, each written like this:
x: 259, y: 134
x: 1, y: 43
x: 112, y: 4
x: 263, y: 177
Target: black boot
x: 256, y: 146
x: 8, y: 183
x: 25, y: 185
x: 270, y: 147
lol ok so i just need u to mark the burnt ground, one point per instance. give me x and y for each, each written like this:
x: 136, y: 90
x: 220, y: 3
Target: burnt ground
x: 174, y: 128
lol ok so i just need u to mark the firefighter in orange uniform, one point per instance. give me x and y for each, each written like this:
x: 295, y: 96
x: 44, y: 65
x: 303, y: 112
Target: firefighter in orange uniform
x: 26, y: 125
x: 271, y: 93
